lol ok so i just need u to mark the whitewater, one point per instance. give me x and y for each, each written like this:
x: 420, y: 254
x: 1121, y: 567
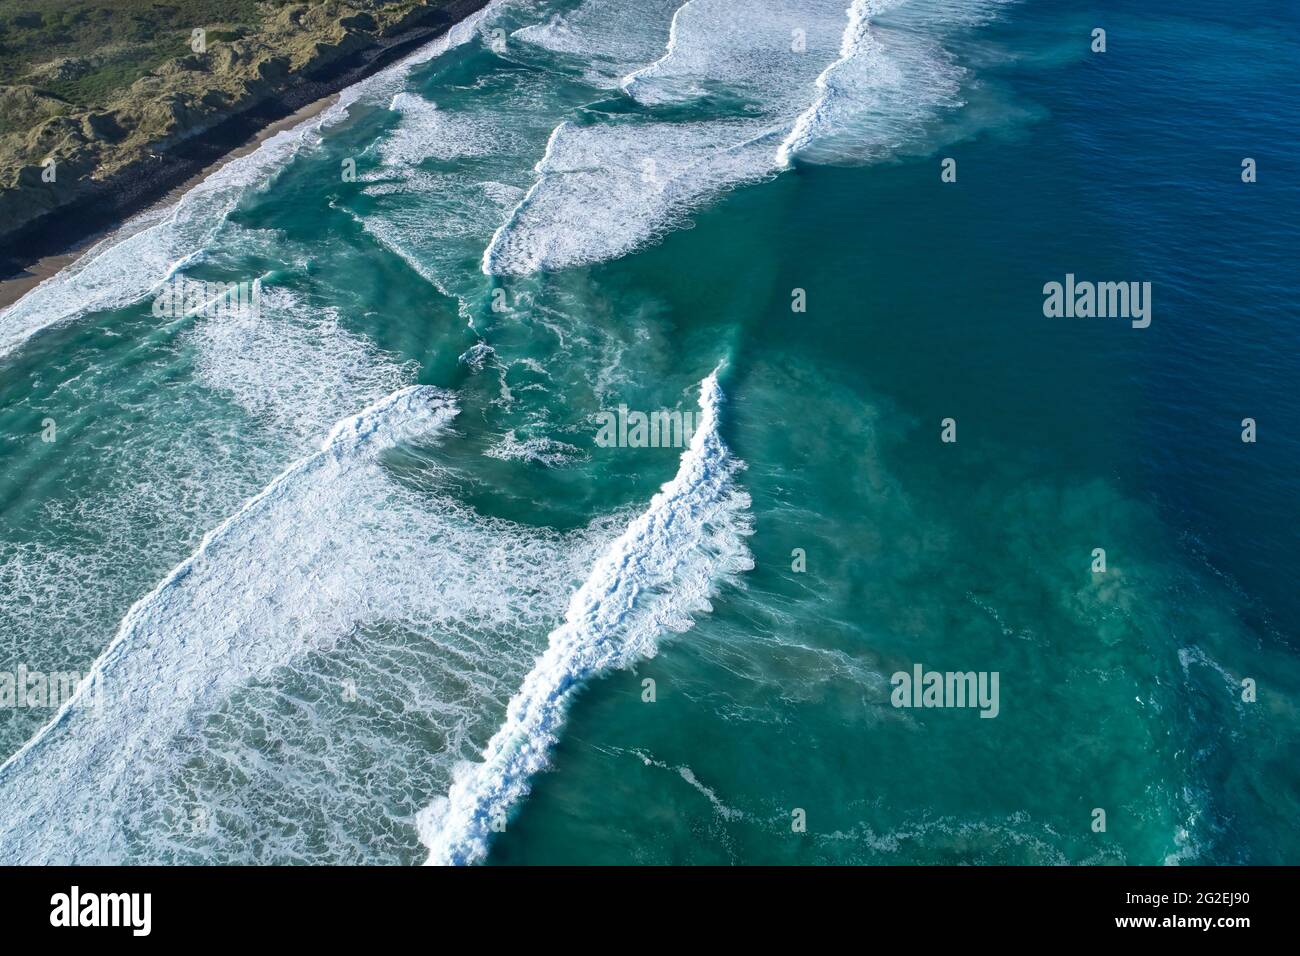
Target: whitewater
x: 665, y: 567
x: 375, y: 528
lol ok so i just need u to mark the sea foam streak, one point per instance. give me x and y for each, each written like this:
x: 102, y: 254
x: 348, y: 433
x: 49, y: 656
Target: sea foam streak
x: 138, y: 258
x: 191, y: 637
x: 854, y: 39
x: 336, y: 574
x: 629, y: 82
x: 886, y: 84
x: 606, y: 38
x: 765, y: 82
x: 663, y: 568
x: 291, y: 365
x: 605, y: 188
x: 150, y: 484
x: 451, y: 172
x: 744, y: 50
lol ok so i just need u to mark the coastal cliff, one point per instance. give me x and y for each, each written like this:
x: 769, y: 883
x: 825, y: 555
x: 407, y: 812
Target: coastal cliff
x: 94, y: 132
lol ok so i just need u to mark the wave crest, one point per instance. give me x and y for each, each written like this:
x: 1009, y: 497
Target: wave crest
x: 664, y: 568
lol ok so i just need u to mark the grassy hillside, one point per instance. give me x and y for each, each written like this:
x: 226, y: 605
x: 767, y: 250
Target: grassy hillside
x: 100, y: 90
x: 86, y: 52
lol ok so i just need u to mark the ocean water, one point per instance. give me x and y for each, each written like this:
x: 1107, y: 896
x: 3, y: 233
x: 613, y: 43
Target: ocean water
x: 352, y: 575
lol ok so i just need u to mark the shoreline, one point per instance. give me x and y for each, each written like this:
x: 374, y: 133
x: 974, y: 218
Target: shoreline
x: 59, y: 239
x: 15, y: 287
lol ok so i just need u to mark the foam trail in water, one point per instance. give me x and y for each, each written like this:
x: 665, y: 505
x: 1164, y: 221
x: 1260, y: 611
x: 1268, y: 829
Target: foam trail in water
x: 607, y: 187
x: 341, y: 572
x: 887, y: 82
x: 156, y: 483
x: 605, y: 38
x: 427, y: 132
x: 215, y: 620
x: 663, y: 568
x: 629, y: 83
x: 451, y: 172
x: 409, y: 411
x: 605, y: 190
x: 291, y: 365
x: 764, y: 53
x: 768, y: 81
x: 139, y: 257
x: 854, y: 39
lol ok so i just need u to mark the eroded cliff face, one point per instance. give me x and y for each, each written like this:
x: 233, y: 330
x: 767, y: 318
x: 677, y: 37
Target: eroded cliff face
x: 92, y: 150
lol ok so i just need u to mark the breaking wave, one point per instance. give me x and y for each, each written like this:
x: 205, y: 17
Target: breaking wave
x: 334, y: 576
x: 665, y: 567
x: 760, y: 84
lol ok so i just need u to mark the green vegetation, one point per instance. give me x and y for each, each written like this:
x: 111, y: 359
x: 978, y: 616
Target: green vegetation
x: 103, y: 87
x: 84, y: 52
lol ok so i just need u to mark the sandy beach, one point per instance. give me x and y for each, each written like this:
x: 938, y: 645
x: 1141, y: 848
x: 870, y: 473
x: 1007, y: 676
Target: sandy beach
x: 53, y: 247
x: 13, y: 289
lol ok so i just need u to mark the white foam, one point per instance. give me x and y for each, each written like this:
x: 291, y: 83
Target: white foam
x: 149, y: 485
x: 879, y: 93
x: 292, y: 366
x: 477, y: 355
x: 665, y: 567
x: 538, y: 449
x: 353, y: 442
x: 741, y: 49
x: 436, y: 244
x: 437, y: 220
x: 605, y: 190
x: 605, y: 37
x: 773, y: 80
x: 140, y: 256
x: 427, y: 132
x: 608, y: 187
x: 304, y: 572
x: 854, y: 39
x: 630, y: 82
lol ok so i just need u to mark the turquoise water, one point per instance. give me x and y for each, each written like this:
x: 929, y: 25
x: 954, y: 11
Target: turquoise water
x: 363, y: 585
